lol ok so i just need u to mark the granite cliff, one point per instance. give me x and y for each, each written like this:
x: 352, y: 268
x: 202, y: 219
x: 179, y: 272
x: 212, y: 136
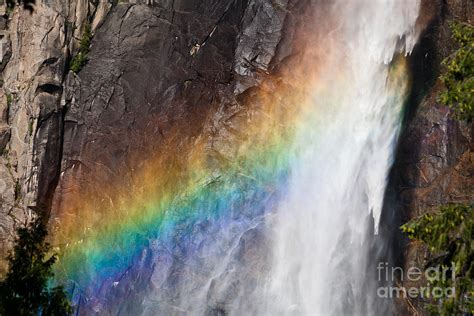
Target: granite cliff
x: 434, y: 162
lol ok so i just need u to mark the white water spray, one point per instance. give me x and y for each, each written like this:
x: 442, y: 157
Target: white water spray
x: 323, y: 230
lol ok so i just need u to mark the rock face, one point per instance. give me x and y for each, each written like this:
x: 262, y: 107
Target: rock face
x: 36, y: 48
x: 153, y: 70
x: 435, y: 160
x: 159, y: 77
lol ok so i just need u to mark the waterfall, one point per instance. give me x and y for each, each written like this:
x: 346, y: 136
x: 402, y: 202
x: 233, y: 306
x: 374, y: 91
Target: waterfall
x: 323, y: 229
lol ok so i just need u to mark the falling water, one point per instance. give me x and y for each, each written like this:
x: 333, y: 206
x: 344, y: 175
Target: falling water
x: 325, y: 226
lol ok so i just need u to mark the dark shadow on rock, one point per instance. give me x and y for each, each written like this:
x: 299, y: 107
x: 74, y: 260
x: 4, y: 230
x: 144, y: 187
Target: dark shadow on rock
x: 404, y: 176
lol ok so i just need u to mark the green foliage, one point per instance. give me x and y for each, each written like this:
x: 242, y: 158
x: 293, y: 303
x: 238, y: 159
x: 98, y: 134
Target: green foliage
x: 80, y: 59
x: 9, y: 100
x: 449, y: 236
x: 17, y: 191
x: 30, y: 127
x: 78, y: 62
x: 459, y: 79
x: 24, y: 291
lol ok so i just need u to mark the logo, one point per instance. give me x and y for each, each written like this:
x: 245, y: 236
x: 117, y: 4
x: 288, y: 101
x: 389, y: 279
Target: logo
x: 434, y: 275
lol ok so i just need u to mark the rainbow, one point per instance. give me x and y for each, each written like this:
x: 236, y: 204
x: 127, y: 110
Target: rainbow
x: 101, y: 237
x: 99, y: 241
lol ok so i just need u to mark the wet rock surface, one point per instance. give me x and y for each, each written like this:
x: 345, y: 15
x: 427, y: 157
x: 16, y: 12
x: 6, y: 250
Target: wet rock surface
x: 434, y: 164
